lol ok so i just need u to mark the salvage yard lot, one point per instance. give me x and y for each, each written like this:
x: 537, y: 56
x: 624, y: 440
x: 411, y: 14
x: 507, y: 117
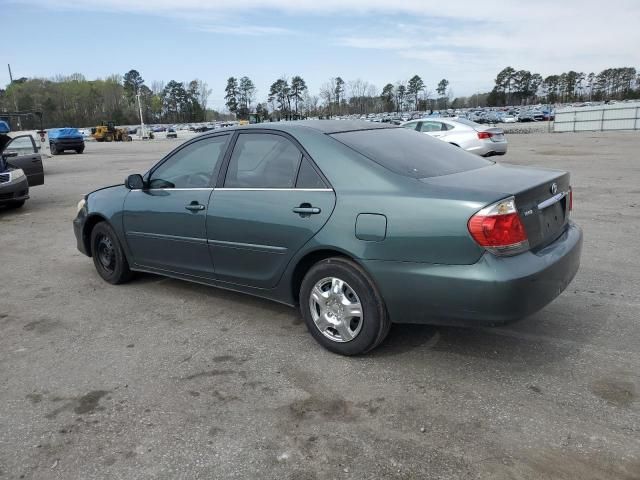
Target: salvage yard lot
x: 164, y: 379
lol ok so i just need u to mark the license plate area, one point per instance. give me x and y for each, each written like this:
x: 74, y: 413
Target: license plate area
x: 552, y: 218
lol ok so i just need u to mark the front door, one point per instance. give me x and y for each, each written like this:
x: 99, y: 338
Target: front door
x: 272, y: 202
x: 21, y: 152
x: 165, y: 223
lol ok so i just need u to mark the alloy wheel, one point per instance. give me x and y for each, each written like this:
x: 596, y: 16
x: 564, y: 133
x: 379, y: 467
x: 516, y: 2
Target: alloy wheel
x: 336, y: 309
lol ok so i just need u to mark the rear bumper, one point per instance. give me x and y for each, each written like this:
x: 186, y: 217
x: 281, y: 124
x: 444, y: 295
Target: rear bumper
x: 68, y: 143
x: 488, y: 148
x: 494, y: 290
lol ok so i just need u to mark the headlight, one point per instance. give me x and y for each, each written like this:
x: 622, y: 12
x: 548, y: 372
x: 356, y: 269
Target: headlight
x: 81, y: 204
x: 17, y: 174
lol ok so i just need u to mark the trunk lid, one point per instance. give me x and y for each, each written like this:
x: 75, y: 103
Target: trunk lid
x: 497, y: 134
x: 543, y: 209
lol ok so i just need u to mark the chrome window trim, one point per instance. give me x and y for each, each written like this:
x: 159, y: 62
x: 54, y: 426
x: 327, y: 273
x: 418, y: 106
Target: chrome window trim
x: 550, y: 201
x: 171, y: 189
x: 274, y: 189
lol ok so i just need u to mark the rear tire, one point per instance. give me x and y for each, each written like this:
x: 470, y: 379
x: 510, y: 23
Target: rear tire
x: 342, y: 307
x: 108, y: 256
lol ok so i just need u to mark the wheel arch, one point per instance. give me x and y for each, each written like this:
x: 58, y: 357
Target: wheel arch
x: 304, y: 264
x: 89, y: 224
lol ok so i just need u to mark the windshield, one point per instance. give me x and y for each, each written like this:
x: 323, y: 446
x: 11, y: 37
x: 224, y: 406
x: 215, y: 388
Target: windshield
x: 411, y: 153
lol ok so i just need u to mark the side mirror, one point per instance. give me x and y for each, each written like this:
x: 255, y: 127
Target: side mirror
x: 134, y: 182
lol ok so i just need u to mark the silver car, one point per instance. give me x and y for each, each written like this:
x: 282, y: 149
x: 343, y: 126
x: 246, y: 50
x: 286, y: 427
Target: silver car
x: 463, y: 133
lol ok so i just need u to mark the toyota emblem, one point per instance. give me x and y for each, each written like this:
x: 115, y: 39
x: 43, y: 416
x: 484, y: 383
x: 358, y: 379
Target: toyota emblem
x: 554, y: 188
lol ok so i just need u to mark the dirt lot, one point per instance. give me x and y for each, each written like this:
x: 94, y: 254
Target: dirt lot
x: 161, y: 379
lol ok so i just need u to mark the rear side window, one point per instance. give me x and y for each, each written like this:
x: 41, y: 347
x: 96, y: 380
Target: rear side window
x: 308, y: 177
x: 431, y: 127
x: 263, y: 160
x: 411, y: 153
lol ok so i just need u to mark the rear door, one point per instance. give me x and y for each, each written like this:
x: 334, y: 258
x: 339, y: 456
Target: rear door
x: 271, y: 201
x: 21, y: 152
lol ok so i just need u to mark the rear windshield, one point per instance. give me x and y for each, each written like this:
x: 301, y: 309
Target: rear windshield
x: 411, y: 153
x: 468, y: 122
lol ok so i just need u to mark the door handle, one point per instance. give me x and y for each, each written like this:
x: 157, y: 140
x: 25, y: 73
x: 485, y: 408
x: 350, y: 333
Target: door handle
x: 194, y: 207
x: 306, y: 209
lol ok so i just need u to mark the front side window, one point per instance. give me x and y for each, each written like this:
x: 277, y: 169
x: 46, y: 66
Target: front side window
x: 21, y: 145
x: 191, y: 167
x: 263, y: 160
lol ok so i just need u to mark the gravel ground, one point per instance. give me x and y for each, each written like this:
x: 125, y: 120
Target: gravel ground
x: 161, y: 379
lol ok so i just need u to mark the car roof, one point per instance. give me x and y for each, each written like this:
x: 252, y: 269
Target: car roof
x: 322, y: 126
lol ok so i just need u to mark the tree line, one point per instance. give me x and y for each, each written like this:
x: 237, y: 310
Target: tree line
x: 518, y: 87
x: 73, y: 100
x: 290, y: 98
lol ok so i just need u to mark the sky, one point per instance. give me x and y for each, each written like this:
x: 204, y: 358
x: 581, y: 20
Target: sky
x: 380, y: 41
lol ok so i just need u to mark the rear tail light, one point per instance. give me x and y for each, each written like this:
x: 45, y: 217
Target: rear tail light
x: 484, y: 135
x: 570, y: 199
x: 498, y: 228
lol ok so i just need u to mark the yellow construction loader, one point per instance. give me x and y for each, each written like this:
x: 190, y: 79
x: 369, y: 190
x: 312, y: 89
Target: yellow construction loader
x: 109, y: 133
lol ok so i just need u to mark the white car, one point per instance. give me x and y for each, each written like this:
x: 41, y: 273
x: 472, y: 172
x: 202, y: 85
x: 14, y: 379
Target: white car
x: 463, y: 133
x: 509, y: 119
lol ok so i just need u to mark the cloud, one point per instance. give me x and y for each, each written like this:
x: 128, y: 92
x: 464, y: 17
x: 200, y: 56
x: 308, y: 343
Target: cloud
x: 541, y: 10
x: 253, y: 30
x: 465, y: 40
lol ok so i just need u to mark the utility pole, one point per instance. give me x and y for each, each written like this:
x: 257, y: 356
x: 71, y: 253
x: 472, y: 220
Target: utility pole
x: 141, y: 119
x: 15, y: 102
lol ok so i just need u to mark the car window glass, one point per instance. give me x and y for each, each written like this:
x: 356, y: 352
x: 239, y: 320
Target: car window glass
x: 467, y: 122
x: 308, y: 177
x: 446, y: 126
x: 431, y: 127
x: 263, y: 160
x: 411, y: 125
x: 410, y: 153
x: 21, y: 145
x: 191, y: 167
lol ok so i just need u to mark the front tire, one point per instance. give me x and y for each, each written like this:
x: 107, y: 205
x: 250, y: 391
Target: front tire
x: 54, y: 150
x: 342, y: 307
x: 108, y: 256
x: 79, y: 150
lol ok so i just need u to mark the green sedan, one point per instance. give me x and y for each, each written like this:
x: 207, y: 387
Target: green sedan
x: 361, y: 225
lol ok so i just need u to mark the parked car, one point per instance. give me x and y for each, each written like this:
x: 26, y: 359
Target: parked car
x: 509, y: 118
x: 171, y: 133
x: 61, y: 139
x: 463, y: 133
x: 360, y: 224
x: 20, y: 167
